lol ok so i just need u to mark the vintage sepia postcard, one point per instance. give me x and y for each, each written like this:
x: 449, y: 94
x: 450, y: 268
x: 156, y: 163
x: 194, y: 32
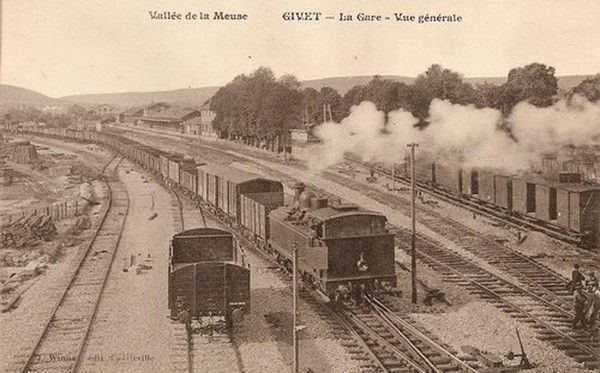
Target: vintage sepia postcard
x: 299, y: 186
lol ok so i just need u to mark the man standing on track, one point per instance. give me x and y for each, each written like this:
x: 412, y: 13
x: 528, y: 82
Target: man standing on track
x: 576, y: 277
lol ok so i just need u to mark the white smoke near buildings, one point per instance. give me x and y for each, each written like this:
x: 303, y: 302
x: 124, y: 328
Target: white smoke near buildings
x: 470, y: 137
x: 568, y: 122
x: 359, y: 132
x: 460, y: 134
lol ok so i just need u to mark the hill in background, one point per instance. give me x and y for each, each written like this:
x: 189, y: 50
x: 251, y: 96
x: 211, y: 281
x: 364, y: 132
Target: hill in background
x: 190, y: 96
x: 13, y: 96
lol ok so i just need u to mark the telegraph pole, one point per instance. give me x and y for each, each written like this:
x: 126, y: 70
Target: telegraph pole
x: 296, y: 329
x: 413, y: 235
x: 393, y: 178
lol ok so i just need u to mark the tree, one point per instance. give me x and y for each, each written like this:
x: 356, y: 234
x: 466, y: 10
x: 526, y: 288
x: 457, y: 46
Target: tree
x: 25, y: 114
x: 311, y: 113
x: 353, y: 96
x: 534, y: 83
x: 589, y: 88
x: 258, y: 105
x: 331, y: 97
x: 488, y: 95
x: 441, y: 83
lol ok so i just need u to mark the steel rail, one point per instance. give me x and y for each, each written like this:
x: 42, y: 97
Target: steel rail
x: 430, y: 366
x: 389, y: 314
x: 381, y: 341
x: 493, y: 276
x: 46, y: 324
x: 516, y: 307
x: 81, y: 348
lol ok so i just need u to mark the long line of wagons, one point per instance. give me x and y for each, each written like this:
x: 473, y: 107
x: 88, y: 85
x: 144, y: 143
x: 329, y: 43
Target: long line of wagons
x: 554, y: 199
x: 339, y: 245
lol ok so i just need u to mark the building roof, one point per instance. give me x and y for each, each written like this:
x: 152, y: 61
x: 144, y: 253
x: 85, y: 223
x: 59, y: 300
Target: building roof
x: 193, y: 121
x: 170, y: 112
x: 132, y: 111
x: 205, y: 105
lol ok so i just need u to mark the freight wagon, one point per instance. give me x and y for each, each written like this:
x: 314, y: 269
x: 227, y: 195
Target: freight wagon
x: 223, y: 187
x: 449, y: 178
x: 206, y: 276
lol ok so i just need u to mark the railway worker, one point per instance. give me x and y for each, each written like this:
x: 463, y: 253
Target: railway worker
x: 576, y: 278
x: 579, y: 305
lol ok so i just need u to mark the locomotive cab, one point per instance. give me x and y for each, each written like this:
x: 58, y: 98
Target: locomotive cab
x: 338, y: 244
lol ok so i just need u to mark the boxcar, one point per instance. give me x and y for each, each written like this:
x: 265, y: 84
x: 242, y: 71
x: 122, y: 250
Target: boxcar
x: 424, y: 171
x: 209, y: 288
x: 254, y: 211
x: 470, y: 181
x: 164, y: 165
x: 503, y: 191
x: 174, y: 162
x: 545, y: 201
x: 486, y: 186
x: 578, y: 209
x: 224, y: 186
x: 188, y: 177
x: 449, y: 178
x: 204, y: 274
x: 202, y: 182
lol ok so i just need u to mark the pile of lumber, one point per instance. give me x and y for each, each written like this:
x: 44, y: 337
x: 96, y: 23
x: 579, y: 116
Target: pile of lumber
x: 21, y: 231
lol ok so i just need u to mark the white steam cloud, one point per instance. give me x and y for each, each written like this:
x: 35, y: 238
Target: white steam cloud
x: 459, y: 134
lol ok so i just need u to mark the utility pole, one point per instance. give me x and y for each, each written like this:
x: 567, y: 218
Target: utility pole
x: 393, y: 177
x: 413, y: 235
x: 296, y: 329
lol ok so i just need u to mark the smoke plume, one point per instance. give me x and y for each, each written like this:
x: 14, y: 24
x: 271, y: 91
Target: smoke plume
x: 463, y: 135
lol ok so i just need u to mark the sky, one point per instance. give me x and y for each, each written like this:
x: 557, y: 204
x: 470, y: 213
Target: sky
x: 63, y: 47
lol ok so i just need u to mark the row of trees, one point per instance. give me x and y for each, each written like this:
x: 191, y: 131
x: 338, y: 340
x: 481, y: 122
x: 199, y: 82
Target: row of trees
x: 72, y: 114
x: 262, y: 105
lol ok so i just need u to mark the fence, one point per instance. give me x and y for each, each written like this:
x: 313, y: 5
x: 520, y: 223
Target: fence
x: 57, y: 211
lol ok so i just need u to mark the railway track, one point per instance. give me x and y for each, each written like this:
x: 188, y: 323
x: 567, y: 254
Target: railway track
x: 538, y: 295
x: 62, y: 341
x: 495, y: 253
x: 427, y: 216
x: 591, y: 258
x: 412, y: 350
x: 493, y: 213
x: 397, y: 345
x: 193, y: 343
x: 549, y: 315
